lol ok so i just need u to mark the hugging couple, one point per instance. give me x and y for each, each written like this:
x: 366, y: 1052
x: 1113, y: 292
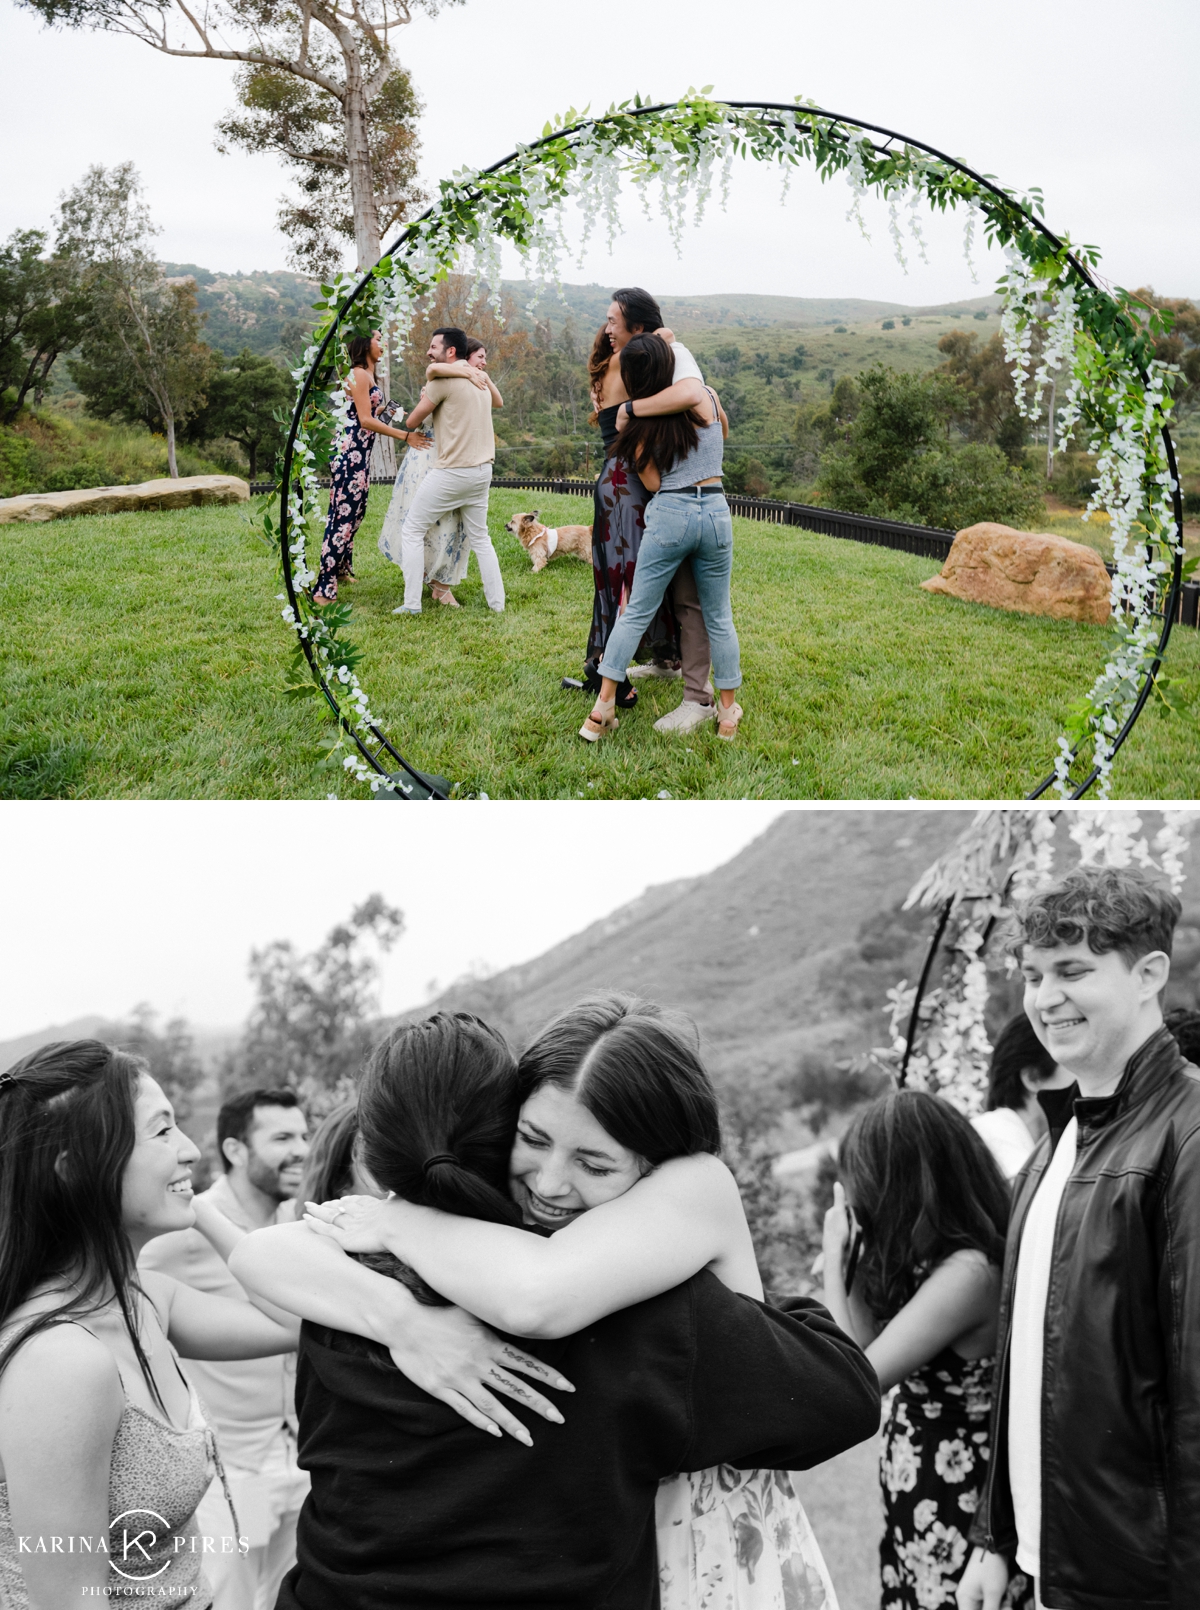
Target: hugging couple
x: 563, y: 1220
x: 662, y: 537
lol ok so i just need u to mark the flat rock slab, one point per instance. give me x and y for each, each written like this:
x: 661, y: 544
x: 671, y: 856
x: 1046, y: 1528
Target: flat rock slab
x: 185, y: 493
x: 1034, y: 572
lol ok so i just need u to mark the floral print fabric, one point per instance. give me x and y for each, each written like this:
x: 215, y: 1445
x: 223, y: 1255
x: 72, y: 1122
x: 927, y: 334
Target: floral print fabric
x: 447, y: 548
x: 350, y: 482
x: 932, y: 1469
x: 618, y: 521
x: 738, y: 1540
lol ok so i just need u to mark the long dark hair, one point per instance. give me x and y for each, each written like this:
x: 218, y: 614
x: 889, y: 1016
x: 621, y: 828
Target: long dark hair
x: 329, y: 1166
x: 647, y: 367
x: 923, y: 1185
x: 437, y: 1110
x: 598, y: 360
x: 635, y: 1073
x: 638, y: 307
x: 1017, y: 1047
x: 67, y: 1132
x: 436, y: 1113
x: 359, y: 350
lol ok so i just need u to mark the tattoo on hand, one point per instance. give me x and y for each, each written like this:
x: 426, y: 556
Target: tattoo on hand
x: 515, y: 1389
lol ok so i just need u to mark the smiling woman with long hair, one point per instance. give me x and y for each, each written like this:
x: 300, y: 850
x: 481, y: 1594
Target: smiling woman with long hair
x: 97, y: 1420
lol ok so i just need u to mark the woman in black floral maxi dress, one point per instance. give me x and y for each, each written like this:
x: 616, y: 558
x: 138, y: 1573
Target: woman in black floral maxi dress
x: 928, y: 1209
x: 350, y: 476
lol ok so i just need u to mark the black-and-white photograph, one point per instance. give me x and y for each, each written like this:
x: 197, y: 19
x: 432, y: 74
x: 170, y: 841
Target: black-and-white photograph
x: 799, y: 1213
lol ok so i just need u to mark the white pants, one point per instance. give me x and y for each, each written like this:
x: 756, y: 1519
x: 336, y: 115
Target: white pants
x: 268, y: 1502
x: 440, y: 493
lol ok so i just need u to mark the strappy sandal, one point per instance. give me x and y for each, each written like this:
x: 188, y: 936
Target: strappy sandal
x: 728, y: 716
x: 627, y: 694
x: 443, y: 594
x: 602, y: 719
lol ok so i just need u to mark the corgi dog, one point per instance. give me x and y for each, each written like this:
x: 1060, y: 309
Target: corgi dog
x: 543, y: 543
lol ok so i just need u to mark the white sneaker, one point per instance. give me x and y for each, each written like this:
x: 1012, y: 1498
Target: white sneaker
x: 686, y: 717
x: 650, y: 671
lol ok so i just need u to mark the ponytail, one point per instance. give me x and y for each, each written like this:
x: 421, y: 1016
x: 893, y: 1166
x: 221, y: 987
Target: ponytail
x: 437, y: 1111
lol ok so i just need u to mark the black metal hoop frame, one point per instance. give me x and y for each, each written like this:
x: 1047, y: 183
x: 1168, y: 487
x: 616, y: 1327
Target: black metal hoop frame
x: 1171, y: 603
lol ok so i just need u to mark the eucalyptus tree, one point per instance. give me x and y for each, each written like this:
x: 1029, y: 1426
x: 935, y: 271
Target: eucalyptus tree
x: 309, y: 66
x: 140, y: 355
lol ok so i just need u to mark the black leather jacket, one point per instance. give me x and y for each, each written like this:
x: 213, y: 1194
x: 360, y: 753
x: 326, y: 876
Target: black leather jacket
x: 1121, y: 1372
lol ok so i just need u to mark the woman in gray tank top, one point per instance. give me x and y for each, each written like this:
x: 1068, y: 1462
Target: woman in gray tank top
x: 678, y: 457
x: 103, y: 1443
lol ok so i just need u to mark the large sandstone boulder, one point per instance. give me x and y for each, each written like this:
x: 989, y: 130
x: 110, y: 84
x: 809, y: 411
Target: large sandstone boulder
x: 1031, y: 571
x: 185, y: 493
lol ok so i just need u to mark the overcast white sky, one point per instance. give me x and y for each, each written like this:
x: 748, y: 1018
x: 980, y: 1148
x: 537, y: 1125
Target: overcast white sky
x: 109, y: 904
x: 1080, y: 101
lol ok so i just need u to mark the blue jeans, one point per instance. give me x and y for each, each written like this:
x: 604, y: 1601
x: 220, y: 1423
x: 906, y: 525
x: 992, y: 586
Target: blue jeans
x: 679, y: 524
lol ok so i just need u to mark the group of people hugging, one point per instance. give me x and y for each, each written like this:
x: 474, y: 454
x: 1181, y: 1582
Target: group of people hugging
x: 662, y: 535
x: 537, y: 1366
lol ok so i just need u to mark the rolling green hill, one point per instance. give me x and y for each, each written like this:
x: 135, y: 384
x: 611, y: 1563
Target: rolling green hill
x: 269, y: 312
x: 588, y: 305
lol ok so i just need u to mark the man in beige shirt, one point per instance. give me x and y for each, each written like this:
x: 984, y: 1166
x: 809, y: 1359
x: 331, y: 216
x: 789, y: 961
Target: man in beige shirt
x: 262, y: 1136
x: 466, y: 447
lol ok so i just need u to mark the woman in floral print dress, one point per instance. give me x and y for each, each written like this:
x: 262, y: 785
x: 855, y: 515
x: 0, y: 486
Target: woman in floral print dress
x: 350, y: 478
x: 913, y: 1248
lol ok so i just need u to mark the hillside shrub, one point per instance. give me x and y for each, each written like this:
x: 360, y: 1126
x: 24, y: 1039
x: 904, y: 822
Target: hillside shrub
x: 895, y: 460
x: 747, y: 475
x: 47, y: 452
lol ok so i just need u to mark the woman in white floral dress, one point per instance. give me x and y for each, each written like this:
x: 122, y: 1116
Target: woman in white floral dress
x: 913, y: 1249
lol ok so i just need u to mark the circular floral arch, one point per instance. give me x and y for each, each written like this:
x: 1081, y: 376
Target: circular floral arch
x: 1099, y: 338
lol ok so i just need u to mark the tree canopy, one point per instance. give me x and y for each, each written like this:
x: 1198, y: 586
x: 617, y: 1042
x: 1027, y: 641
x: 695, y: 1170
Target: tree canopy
x: 892, y: 456
x: 42, y: 315
x: 140, y: 356
x: 310, y: 65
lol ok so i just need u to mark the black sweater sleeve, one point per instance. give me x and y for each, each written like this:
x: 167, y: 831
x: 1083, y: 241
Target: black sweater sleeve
x: 777, y: 1388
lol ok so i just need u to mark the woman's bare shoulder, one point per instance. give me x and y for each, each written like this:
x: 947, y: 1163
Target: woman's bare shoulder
x: 969, y: 1268
x: 700, y: 1176
x: 64, y: 1357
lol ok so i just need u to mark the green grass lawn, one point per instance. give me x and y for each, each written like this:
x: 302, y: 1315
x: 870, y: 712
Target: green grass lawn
x: 143, y: 657
x: 845, y: 1507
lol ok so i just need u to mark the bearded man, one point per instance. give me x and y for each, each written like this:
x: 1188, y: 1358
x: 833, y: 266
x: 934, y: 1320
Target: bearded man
x: 262, y: 1137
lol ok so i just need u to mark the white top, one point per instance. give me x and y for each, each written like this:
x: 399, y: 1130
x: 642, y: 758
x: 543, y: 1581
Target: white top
x: 686, y: 367
x: 1006, y: 1135
x: 1026, y: 1352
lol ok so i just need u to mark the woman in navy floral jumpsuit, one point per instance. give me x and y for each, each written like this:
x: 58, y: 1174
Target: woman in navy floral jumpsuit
x: 350, y: 479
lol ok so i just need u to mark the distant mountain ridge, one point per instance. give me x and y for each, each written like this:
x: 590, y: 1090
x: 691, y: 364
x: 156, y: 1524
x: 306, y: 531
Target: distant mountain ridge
x: 271, y: 311
x: 589, y: 305
x: 750, y: 951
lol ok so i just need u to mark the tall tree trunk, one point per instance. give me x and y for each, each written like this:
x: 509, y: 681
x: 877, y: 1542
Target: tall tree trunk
x: 367, y: 244
x: 172, y: 467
